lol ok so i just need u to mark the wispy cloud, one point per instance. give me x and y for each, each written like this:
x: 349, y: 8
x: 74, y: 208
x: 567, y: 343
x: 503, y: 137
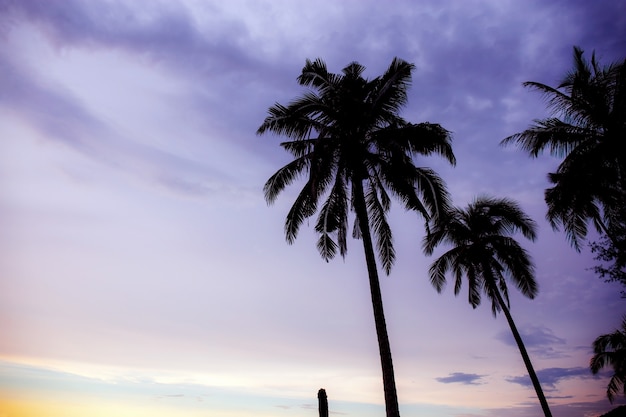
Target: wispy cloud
x: 461, y: 378
x: 60, y: 116
x: 549, y: 377
x: 540, y: 340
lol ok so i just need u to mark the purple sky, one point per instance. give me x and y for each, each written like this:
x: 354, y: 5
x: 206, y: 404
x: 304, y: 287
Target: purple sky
x: 141, y: 270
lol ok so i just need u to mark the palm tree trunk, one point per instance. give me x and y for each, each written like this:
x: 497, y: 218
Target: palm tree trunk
x: 525, y: 357
x: 389, y: 383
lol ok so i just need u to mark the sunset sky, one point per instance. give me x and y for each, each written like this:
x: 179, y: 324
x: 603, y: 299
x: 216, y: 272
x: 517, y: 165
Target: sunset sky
x: 143, y: 274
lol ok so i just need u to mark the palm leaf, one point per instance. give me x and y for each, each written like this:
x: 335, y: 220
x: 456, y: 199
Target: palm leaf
x: 381, y: 229
x: 283, y: 177
x: 303, y: 208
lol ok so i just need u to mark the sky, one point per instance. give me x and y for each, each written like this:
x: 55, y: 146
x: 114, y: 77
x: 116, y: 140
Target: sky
x: 143, y: 274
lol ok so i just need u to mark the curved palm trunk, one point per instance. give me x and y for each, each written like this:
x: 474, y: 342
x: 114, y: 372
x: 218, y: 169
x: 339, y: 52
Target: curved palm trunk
x: 389, y: 383
x: 525, y: 357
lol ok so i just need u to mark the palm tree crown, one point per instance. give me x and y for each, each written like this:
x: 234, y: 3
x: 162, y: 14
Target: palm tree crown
x: 484, y: 252
x: 356, y: 152
x: 610, y: 351
x: 347, y: 130
x: 589, y: 133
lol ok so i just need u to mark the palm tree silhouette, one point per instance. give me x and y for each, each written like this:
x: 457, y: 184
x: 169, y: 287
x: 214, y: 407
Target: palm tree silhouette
x: 589, y: 133
x: 356, y: 152
x: 610, y: 351
x: 484, y: 253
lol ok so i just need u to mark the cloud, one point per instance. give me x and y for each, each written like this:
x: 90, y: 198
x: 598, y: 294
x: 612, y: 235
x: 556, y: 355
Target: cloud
x: 62, y: 117
x: 163, y: 33
x: 462, y: 378
x: 208, y: 74
x: 539, y: 340
x: 549, y: 377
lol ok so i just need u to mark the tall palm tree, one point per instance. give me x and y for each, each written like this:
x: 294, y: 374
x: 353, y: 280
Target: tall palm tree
x: 610, y: 350
x: 588, y: 131
x: 487, y: 256
x: 356, y: 152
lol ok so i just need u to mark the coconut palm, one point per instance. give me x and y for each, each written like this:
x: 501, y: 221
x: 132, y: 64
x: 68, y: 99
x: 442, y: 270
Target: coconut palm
x: 610, y: 351
x: 484, y: 253
x: 588, y: 131
x: 356, y: 152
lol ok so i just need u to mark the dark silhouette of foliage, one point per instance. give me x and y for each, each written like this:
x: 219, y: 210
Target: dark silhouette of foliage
x: 356, y: 153
x: 610, y: 351
x: 483, y: 252
x: 612, y: 256
x: 616, y: 412
x: 587, y: 130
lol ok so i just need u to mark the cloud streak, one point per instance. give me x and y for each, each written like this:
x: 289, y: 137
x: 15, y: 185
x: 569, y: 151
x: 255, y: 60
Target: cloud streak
x: 550, y: 377
x: 461, y: 378
x: 539, y: 340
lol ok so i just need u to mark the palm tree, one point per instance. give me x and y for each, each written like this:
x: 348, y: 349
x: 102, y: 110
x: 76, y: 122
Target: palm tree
x: 484, y: 253
x: 610, y: 350
x: 588, y: 131
x: 347, y: 137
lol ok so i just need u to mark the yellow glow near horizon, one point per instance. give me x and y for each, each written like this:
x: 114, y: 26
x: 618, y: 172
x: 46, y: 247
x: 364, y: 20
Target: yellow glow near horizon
x: 82, y: 408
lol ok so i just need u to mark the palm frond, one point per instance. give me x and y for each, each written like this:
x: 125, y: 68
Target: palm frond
x: 389, y: 92
x: 505, y: 217
x: 552, y: 135
x: 601, y: 360
x: 289, y: 122
x: 326, y: 246
x: 446, y: 230
x: 570, y: 207
x: 283, y: 177
x: 518, y: 265
x: 303, y: 208
x: 616, y: 384
x: 354, y: 70
x: 381, y: 229
x: 474, y: 285
x: 299, y: 148
x: 610, y: 351
x: 315, y: 74
x: 430, y: 138
x: 457, y: 272
x: 400, y: 177
x: 435, y: 199
x: 422, y: 139
x: 439, y: 268
x: 332, y: 219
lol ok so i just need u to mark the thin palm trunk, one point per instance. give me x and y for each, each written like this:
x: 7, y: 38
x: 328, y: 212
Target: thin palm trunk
x: 389, y: 383
x: 525, y: 357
